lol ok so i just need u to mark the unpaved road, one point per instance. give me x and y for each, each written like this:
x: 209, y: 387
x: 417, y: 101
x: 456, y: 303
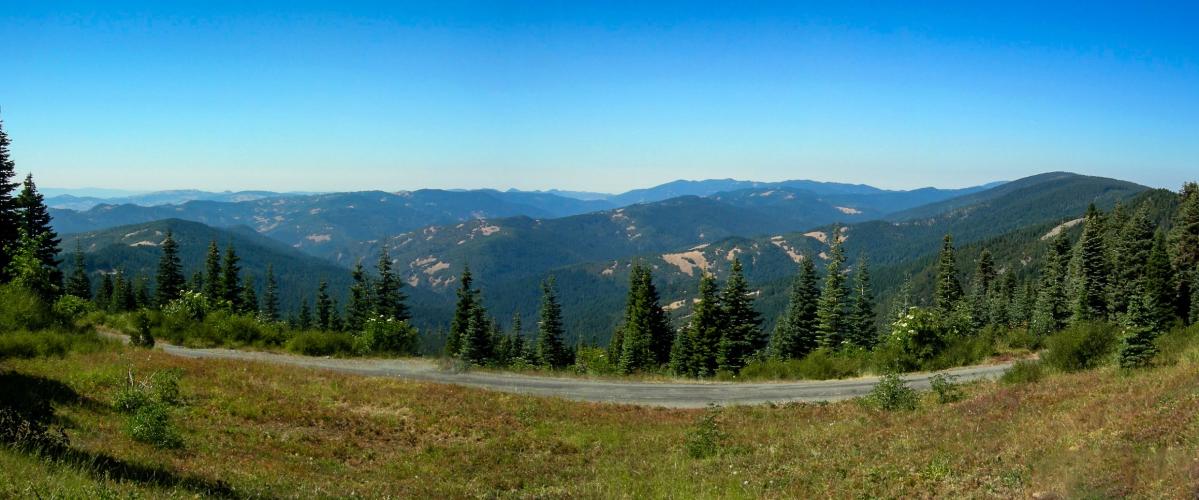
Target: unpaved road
x: 665, y: 394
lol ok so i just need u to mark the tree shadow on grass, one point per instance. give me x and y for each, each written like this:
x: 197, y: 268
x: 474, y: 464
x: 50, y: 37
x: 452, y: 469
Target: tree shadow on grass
x: 28, y: 424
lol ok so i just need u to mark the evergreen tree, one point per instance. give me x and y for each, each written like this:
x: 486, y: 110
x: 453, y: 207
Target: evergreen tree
x: 336, y: 324
x: 1158, y: 289
x: 1052, y: 309
x: 795, y: 334
x: 26, y: 269
x: 324, y: 306
x: 123, y: 298
x: 645, y: 338
x: 360, y: 306
x: 682, y: 352
x: 270, y: 299
x: 516, y: 342
x: 35, y: 220
x: 902, y: 302
x: 980, y: 295
x: 1132, y: 247
x: 196, y: 284
x: 551, y: 350
x: 79, y: 284
x: 169, y: 281
x: 462, y: 313
x: 141, y: 292
x: 305, y: 319
x: 231, y: 279
x: 742, y: 334
x: 477, y: 345
x: 104, y: 293
x: 249, y: 296
x: 1194, y: 313
x: 9, y: 215
x: 1184, y: 246
x: 213, y: 277
x: 948, y: 289
x: 1094, y: 270
x: 863, y: 328
x: 832, y: 315
x: 705, y: 328
x: 389, y: 296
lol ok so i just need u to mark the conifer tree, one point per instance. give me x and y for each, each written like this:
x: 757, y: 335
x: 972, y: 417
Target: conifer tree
x: 324, y: 306
x: 270, y: 299
x: 249, y: 296
x: 27, y: 270
x: 336, y: 324
x: 902, y: 302
x: 1052, y: 309
x: 35, y: 220
x: 477, y: 345
x: 551, y: 351
x: 645, y: 338
x: 742, y: 333
x: 948, y: 289
x: 196, y: 283
x: 9, y: 214
x: 1094, y: 270
x: 360, y: 306
x: 213, y: 277
x: 516, y: 342
x: 305, y: 318
x: 795, y: 333
x: 682, y: 353
x: 832, y: 312
x: 462, y: 313
x: 1158, y: 288
x: 123, y: 298
x: 79, y: 284
x: 141, y: 292
x: 231, y: 279
x: 1184, y: 247
x: 104, y: 292
x: 1132, y: 247
x: 980, y: 294
x: 705, y: 328
x: 169, y: 281
x: 1194, y: 313
x: 389, y: 296
x: 862, y: 318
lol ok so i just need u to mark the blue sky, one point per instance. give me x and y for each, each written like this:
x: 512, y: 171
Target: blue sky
x: 603, y: 97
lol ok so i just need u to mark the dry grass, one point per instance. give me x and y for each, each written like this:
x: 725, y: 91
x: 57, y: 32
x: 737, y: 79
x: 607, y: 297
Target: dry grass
x: 264, y: 430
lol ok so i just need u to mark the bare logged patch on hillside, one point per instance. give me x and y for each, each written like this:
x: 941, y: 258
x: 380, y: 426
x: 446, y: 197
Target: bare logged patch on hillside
x: 319, y: 238
x: 820, y: 236
x: 1061, y: 227
x: 687, y: 262
x: 849, y: 210
x: 781, y: 242
x: 440, y: 266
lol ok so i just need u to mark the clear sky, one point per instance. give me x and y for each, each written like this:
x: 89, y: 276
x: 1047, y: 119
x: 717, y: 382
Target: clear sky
x: 604, y: 97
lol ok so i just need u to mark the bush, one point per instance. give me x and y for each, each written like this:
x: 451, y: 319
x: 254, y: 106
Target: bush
x: 946, y: 389
x: 21, y: 309
x: 69, y: 309
x: 1138, y: 349
x: 235, y: 330
x: 593, y: 361
x: 316, y: 343
x: 820, y: 364
x: 915, y: 338
x: 148, y: 404
x: 142, y: 336
x: 151, y: 424
x: 892, y: 394
x: 705, y: 438
x: 1023, y: 372
x: 1173, y: 344
x: 1081, y: 346
x: 386, y: 336
x: 190, y: 305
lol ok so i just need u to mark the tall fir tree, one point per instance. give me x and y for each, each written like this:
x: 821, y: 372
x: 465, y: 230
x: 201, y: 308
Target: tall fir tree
x: 1133, y: 244
x: 79, y: 284
x: 389, y: 299
x: 705, y: 328
x: 863, y: 327
x: 832, y: 312
x: 270, y: 298
x: 231, y: 279
x: 948, y: 290
x: 305, y: 318
x: 324, y: 306
x: 462, y: 313
x: 27, y: 270
x: 104, y: 291
x: 35, y: 220
x: 1158, y: 288
x: 1052, y: 308
x: 477, y: 346
x: 1184, y: 247
x: 742, y: 333
x: 551, y: 348
x: 645, y: 337
x: 980, y: 293
x: 169, y: 281
x: 682, y: 352
x: 212, y: 276
x: 795, y: 333
x: 9, y: 214
x: 1094, y: 269
x: 141, y: 292
x: 249, y: 296
x: 360, y: 306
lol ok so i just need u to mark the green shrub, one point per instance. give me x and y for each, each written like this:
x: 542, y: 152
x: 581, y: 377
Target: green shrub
x: 1137, y: 349
x: 235, y: 330
x: 148, y: 404
x: 70, y: 309
x: 142, y: 336
x: 821, y: 364
x: 151, y: 424
x: 1172, y: 344
x: 25, y: 344
x: 963, y: 351
x: 892, y: 394
x: 946, y: 389
x: 386, y: 336
x: 314, y: 343
x: 21, y: 309
x: 915, y: 339
x: 592, y: 361
x: 1023, y: 372
x: 704, y: 439
x: 1082, y: 346
x: 190, y: 305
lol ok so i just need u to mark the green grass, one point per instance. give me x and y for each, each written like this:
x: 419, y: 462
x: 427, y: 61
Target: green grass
x: 258, y: 429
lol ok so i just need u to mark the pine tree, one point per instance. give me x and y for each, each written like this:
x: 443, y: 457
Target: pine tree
x: 980, y: 295
x: 196, y: 283
x: 1184, y: 247
x: 1158, y: 288
x: 682, y: 352
x: 123, y: 298
x: 79, y: 284
x: 9, y: 215
x: 141, y: 292
x: 902, y: 302
x: 742, y: 334
x: 1052, y: 310
x: 795, y: 333
x: 270, y: 299
x: 832, y: 315
x: 389, y: 297
x: 249, y: 296
x: 360, y: 306
x: 35, y: 220
x: 516, y: 344
x: 27, y: 270
x: 646, y: 336
x: 169, y: 281
x: 705, y: 328
x: 212, y: 278
x: 324, y: 306
x: 862, y: 318
x: 462, y: 313
x: 1094, y: 269
x: 948, y: 289
x: 551, y: 351
x: 104, y: 293
x: 231, y: 279
x: 1194, y: 312
x: 1132, y: 247
x: 305, y: 319
x: 477, y: 345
